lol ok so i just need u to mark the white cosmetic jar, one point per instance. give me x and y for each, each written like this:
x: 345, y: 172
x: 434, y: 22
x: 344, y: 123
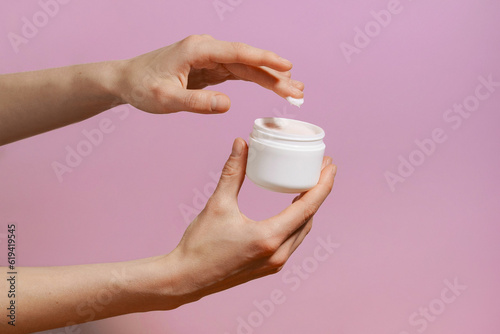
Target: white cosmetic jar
x: 285, y: 155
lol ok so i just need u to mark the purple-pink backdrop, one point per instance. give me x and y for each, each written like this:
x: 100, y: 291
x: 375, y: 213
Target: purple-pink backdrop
x: 408, y: 95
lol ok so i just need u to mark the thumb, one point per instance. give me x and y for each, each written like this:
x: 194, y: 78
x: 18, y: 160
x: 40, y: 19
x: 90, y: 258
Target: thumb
x: 233, y: 173
x: 198, y: 100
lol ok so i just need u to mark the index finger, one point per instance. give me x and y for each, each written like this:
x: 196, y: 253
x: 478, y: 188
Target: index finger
x: 224, y: 52
x: 298, y: 213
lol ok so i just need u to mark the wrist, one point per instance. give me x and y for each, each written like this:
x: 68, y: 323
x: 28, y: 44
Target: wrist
x: 158, y: 287
x: 113, y: 80
x: 123, y: 83
x: 101, y: 83
x: 176, y: 281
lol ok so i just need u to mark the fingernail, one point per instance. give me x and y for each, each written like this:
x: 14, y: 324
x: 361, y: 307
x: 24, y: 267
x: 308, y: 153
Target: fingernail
x: 326, y: 162
x: 334, y: 170
x: 285, y: 61
x: 323, y: 165
x: 295, y: 83
x: 295, y: 91
x: 220, y: 103
x: 237, y: 148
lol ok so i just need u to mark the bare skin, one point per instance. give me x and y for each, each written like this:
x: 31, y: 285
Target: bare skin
x: 220, y: 249
x: 163, y: 81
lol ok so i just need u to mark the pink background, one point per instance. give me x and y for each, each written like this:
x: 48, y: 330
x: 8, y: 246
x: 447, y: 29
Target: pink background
x: 396, y: 247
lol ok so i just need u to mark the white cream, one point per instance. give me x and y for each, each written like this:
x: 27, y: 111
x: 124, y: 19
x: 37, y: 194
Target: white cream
x: 294, y: 101
x: 287, y: 126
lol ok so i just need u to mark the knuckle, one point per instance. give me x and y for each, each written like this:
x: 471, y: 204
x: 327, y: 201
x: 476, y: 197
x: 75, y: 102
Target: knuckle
x: 239, y: 49
x: 190, y: 101
x: 159, y: 93
x: 276, y: 263
x: 191, y: 42
x: 238, y: 45
x: 193, y: 38
x: 267, y: 247
x: 206, y: 36
x: 308, y: 227
x: 195, y: 102
x: 309, y: 211
x: 230, y: 169
x: 278, y: 269
x: 216, y: 206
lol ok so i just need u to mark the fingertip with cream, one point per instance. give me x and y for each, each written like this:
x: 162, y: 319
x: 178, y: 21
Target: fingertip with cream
x: 295, y: 102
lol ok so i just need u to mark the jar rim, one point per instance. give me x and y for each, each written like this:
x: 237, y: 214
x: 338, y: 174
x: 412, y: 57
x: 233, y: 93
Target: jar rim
x: 289, y: 129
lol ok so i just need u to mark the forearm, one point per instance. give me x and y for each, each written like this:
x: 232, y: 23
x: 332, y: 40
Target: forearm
x: 39, y: 101
x: 162, y: 81
x: 52, y: 297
